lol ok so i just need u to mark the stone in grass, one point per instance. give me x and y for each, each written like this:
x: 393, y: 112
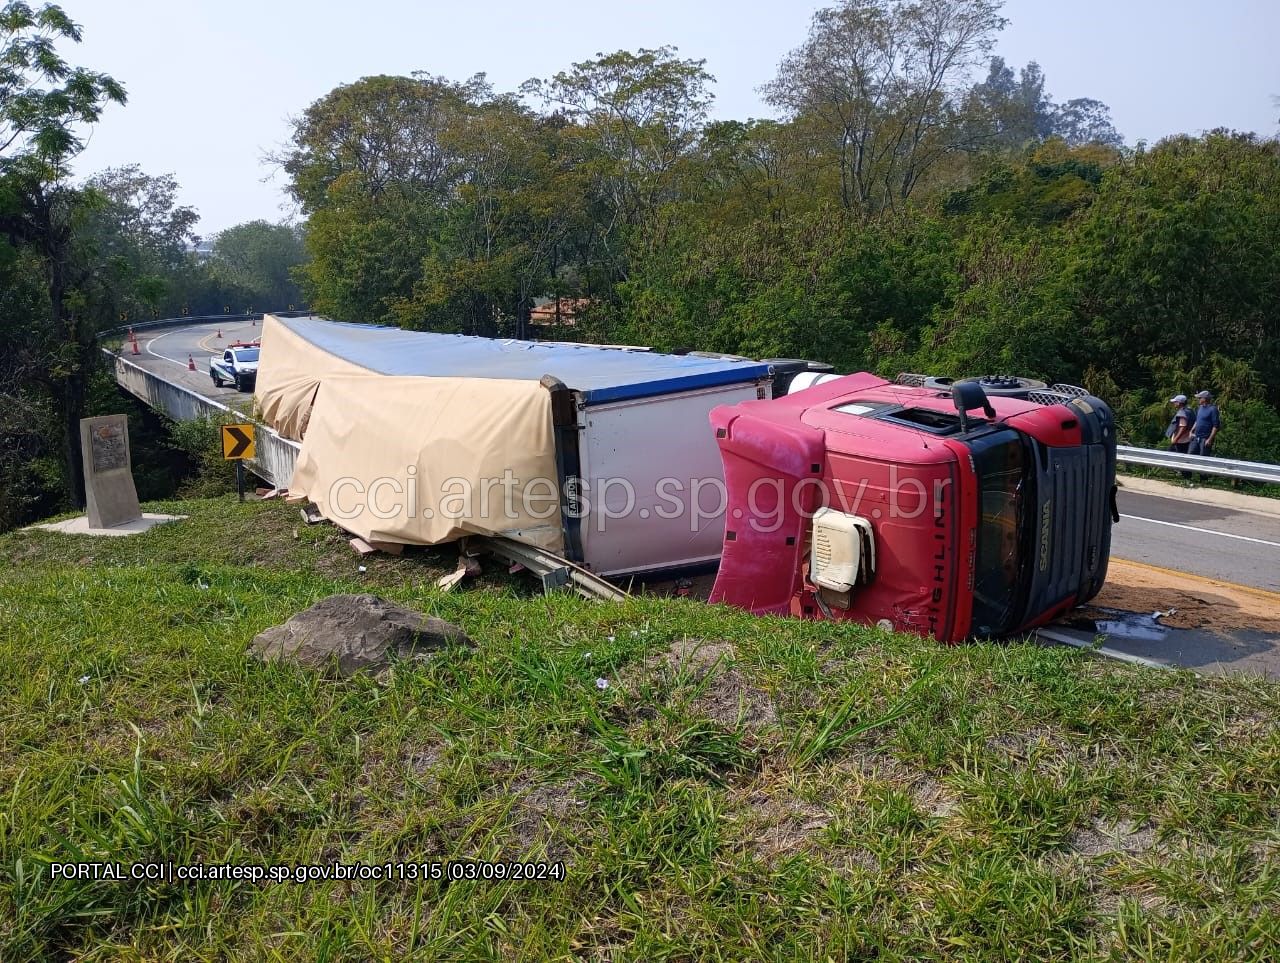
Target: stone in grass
x: 355, y: 633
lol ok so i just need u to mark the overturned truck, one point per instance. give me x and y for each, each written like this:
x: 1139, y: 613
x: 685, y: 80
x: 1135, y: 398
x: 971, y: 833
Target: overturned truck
x: 951, y: 509
x: 601, y: 455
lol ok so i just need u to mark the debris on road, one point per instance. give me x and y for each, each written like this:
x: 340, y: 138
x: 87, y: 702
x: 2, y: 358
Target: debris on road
x: 451, y: 581
x: 468, y: 567
x: 1180, y: 601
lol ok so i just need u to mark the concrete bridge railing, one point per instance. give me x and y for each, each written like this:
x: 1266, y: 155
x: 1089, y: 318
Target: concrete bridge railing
x: 276, y: 455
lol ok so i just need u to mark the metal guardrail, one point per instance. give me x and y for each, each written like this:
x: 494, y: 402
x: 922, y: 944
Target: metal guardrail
x: 1200, y: 464
x: 556, y: 572
x: 194, y: 319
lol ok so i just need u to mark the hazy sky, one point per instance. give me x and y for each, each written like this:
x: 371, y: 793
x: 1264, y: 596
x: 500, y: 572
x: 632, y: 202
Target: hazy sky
x: 211, y: 84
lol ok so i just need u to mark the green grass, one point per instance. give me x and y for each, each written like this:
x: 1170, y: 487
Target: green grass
x: 743, y: 788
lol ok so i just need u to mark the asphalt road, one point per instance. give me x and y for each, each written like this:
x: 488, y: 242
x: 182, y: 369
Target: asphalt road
x: 166, y: 352
x: 1222, y: 543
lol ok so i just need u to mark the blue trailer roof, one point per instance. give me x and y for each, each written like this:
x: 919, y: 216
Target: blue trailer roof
x: 600, y: 373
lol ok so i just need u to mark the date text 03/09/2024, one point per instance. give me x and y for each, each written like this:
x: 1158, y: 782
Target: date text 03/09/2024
x: 457, y: 870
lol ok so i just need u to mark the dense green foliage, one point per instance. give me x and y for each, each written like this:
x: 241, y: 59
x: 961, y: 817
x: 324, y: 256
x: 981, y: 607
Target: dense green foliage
x: 899, y: 216
x: 78, y: 258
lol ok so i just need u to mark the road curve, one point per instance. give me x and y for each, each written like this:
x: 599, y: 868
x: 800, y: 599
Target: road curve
x: 165, y: 351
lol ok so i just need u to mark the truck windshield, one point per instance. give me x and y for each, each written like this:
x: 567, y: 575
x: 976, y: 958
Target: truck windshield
x: 248, y: 354
x: 1000, y: 460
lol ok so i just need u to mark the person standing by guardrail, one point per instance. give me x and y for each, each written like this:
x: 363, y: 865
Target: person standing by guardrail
x: 1179, y: 430
x: 1206, y: 426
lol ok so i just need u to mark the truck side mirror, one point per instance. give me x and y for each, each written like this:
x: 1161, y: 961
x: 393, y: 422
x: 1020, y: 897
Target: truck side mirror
x: 967, y: 395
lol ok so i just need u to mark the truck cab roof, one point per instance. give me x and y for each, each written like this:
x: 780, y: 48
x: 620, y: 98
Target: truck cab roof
x: 862, y: 413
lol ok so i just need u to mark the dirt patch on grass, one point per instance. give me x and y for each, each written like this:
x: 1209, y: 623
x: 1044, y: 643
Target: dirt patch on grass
x: 929, y: 795
x: 776, y: 823
x: 1049, y: 750
x: 1022, y: 743
x: 545, y: 815
x: 723, y: 693
x: 1249, y: 725
x: 932, y: 797
x: 1102, y: 838
x: 421, y: 764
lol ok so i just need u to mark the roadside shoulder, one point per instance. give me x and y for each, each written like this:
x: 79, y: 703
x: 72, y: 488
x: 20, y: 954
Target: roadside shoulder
x: 1205, y: 496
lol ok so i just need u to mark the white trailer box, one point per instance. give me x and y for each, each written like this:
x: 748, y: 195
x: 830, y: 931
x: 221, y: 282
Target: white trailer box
x: 604, y: 455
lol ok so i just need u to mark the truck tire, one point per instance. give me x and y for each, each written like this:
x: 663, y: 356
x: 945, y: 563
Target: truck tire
x: 217, y: 382
x: 239, y: 383
x: 1007, y: 386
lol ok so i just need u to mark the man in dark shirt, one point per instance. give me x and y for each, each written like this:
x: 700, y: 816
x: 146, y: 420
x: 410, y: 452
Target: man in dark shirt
x: 1205, y: 429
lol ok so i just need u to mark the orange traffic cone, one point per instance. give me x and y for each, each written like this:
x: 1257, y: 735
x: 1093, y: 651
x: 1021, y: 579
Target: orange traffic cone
x: 191, y: 363
x: 134, y: 343
x: 219, y: 332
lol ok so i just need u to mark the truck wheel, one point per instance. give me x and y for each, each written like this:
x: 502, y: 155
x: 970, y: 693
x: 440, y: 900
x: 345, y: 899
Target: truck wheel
x: 217, y: 382
x: 239, y: 383
x: 1007, y: 386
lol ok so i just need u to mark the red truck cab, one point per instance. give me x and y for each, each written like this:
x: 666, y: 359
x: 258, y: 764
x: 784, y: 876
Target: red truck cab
x: 892, y: 503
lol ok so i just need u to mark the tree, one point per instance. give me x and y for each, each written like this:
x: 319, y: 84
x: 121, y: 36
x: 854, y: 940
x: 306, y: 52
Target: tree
x: 136, y: 233
x: 1020, y: 113
x: 373, y: 165
x: 256, y: 263
x: 1085, y: 121
x: 43, y: 98
x: 884, y: 86
x: 383, y: 133
x: 1177, y: 259
x: 642, y: 114
x: 504, y: 236
x: 44, y: 103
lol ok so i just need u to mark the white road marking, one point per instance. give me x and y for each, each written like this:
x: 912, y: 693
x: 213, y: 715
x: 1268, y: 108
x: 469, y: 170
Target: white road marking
x: 1203, y: 531
x: 162, y: 357
x: 1062, y: 638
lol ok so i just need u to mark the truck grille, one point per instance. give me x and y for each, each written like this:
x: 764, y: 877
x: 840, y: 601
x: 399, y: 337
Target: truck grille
x: 1072, y: 524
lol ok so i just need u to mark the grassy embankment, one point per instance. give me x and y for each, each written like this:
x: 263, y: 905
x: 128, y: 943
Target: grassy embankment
x: 741, y: 789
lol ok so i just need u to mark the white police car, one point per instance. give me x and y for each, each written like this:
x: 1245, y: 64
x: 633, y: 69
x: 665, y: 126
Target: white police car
x: 238, y: 366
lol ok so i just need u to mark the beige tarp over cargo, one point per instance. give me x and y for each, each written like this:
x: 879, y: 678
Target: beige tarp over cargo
x: 407, y: 458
